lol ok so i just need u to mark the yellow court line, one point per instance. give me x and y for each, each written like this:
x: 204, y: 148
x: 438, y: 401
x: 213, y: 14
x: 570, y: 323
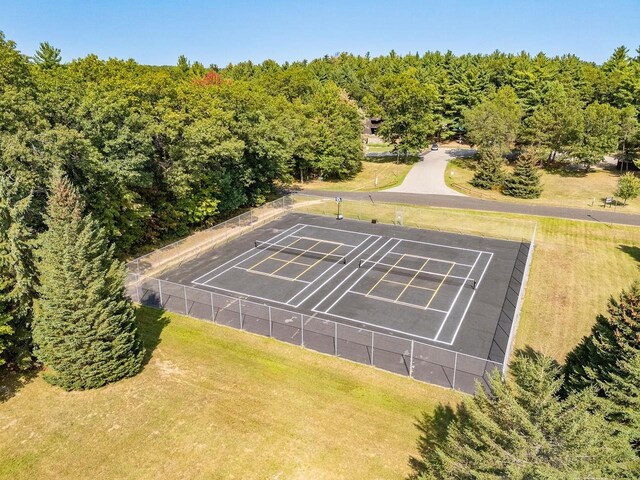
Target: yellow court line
x: 412, y: 286
x: 296, y: 257
x: 386, y: 273
x: 285, y: 261
x: 412, y: 279
x: 274, y: 253
x: 436, y: 292
x: 319, y: 260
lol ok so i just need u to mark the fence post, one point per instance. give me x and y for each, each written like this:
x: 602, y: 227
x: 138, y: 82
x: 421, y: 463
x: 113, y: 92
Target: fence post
x: 411, y: 360
x: 160, y: 292
x: 270, y: 323
x: 240, y: 313
x: 455, y: 368
x: 186, y: 303
x: 302, y: 330
x: 335, y: 339
x: 213, y: 310
x: 372, y: 348
x: 138, y: 289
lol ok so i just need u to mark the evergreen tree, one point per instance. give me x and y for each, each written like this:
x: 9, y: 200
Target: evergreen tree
x: 525, y: 181
x: 620, y: 400
x: 489, y: 171
x: 47, y: 56
x: 17, y: 278
x: 523, y: 429
x: 84, y: 328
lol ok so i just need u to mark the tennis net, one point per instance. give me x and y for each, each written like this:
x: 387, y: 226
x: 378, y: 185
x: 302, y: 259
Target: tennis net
x: 412, y: 272
x: 332, y: 257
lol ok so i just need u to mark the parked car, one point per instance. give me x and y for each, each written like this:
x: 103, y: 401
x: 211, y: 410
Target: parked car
x: 434, y: 146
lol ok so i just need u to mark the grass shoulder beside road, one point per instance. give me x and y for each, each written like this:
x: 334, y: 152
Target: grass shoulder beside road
x: 576, y: 189
x: 214, y: 402
x: 388, y: 173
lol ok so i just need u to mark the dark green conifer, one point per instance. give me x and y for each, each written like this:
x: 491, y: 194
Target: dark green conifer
x: 17, y: 277
x: 613, y: 338
x: 84, y: 329
x: 524, y: 182
x: 525, y: 429
x: 489, y: 173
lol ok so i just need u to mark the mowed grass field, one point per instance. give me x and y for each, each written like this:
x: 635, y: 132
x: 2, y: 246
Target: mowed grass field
x: 218, y: 403
x: 567, y: 189
x: 214, y: 402
x: 389, y: 175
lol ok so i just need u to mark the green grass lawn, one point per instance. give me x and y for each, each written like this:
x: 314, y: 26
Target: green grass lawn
x: 561, y: 188
x: 379, y: 147
x: 214, y: 402
x: 389, y: 174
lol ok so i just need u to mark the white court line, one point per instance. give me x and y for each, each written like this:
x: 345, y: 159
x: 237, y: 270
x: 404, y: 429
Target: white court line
x: 328, y: 269
x: 281, y: 277
x: 246, y: 296
x: 337, y: 229
x: 247, y: 251
x: 358, y: 279
x: 455, y: 299
x: 410, y: 286
x: 484, y: 271
x: 455, y: 334
x: 403, y: 332
x: 425, y: 258
x: 349, y: 276
x: 439, y: 245
x: 324, y: 241
x: 397, y: 302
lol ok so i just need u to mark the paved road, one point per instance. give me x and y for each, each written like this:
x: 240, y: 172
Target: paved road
x: 597, y: 214
x: 427, y: 176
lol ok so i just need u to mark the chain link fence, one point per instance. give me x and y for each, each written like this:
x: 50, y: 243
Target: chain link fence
x: 402, y: 356
x: 422, y: 361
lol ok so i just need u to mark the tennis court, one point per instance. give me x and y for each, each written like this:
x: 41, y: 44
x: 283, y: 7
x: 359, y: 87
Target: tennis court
x: 444, y: 289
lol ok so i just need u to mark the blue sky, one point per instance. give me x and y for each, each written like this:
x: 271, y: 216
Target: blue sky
x: 158, y: 31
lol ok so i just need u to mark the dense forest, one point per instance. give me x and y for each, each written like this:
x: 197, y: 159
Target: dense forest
x: 157, y: 151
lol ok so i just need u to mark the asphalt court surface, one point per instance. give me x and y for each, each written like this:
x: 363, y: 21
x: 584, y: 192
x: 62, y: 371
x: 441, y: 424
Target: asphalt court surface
x: 440, y: 288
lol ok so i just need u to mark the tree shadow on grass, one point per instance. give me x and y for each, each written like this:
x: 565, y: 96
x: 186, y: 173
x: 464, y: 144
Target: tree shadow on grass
x: 433, y: 431
x: 151, y: 322
x: 11, y: 382
x: 634, y: 252
x: 565, y: 170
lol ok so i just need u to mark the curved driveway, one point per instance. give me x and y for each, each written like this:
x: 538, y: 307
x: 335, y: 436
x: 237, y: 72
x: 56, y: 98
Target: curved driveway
x: 427, y: 176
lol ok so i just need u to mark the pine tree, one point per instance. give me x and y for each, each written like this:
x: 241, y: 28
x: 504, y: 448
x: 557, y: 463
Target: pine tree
x: 17, y: 277
x: 489, y: 171
x: 84, y: 329
x: 47, y: 56
x: 524, y: 429
x: 620, y: 399
x: 613, y: 338
x: 525, y: 180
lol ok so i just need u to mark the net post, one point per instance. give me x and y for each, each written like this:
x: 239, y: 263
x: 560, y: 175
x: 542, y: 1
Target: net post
x: 270, y: 322
x: 186, y: 303
x: 455, y: 368
x: 302, y: 330
x: 240, y: 313
x: 411, y: 360
x: 335, y: 339
x: 213, y: 310
x: 160, y: 292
